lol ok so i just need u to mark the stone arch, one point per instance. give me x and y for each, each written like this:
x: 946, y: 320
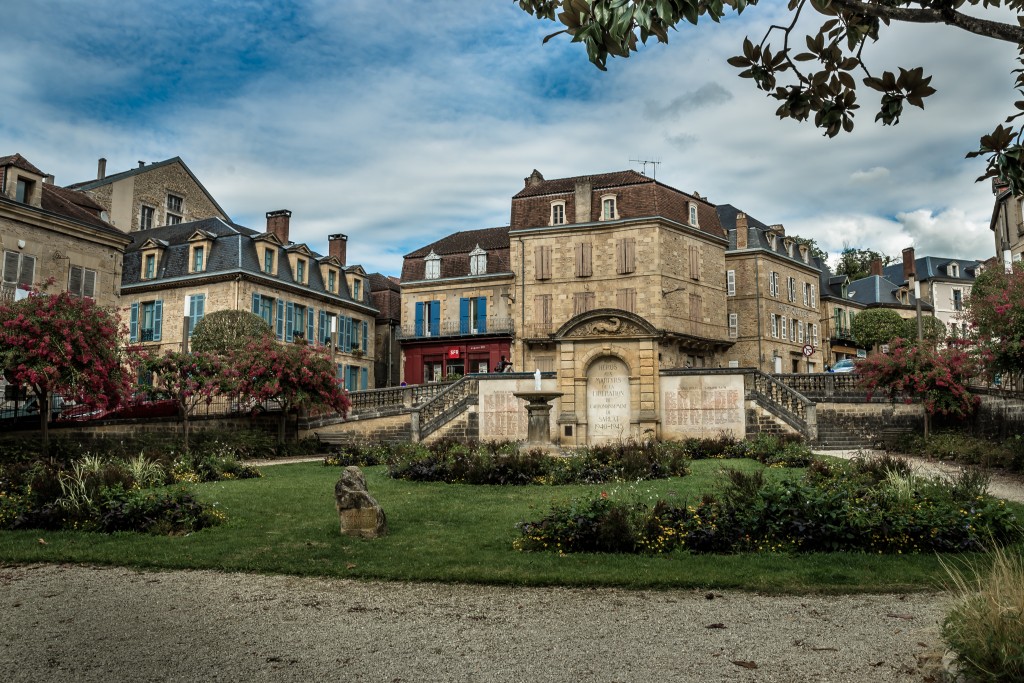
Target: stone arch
x: 604, y: 323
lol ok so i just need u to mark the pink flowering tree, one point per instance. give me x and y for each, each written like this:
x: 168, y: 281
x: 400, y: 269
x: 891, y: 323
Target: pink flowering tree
x: 910, y: 370
x: 995, y: 313
x: 190, y: 378
x: 62, y: 344
x: 294, y: 375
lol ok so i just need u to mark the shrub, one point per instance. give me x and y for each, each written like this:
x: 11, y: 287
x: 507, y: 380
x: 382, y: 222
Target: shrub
x: 985, y: 628
x: 597, y: 525
x: 964, y: 449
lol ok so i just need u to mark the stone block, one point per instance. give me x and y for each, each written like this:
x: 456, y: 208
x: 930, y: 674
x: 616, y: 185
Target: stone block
x: 359, y: 513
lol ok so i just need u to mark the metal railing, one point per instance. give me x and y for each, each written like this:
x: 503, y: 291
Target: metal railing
x: 456, y: 328
x: 6, y: 293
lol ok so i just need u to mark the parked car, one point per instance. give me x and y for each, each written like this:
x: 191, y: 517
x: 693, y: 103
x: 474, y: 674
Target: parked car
x: 142, y: 404
x: 845, y: 365
x: 29, y: 408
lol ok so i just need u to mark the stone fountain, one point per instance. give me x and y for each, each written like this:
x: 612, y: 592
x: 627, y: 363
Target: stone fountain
x: 538, y: 410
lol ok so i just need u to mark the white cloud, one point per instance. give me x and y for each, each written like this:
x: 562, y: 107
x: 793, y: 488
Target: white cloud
x: 871, y: 175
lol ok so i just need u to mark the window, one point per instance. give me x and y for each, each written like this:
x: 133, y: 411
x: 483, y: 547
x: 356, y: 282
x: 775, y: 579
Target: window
x: 582, y: 302
x: 814, y: 298
x: 428, y: 318
x: 800, y: 332
x: 542, y: 264
x: 814, y: 334
x: 146, y: 321
x: 298, y: 322
x: 730, y: 282
x: 198, y: 263
x: 473, y: 315
x: 432, y: 265
x: 625, y: 256
x: 953, y: 269
x: 477, y: 261
x: 331, y: 280
x: 608, y: 209
x: 268, y: 261
x: 695, y: 263
x: 23, y: 192
x: 172, y: 219
x: 149, y: 270
x: 626, y: 300
x: 775, y: 326
x: 263, y: 306
x: 19, y: 269
x: 693, y: 214
x: 146, y: 217
x: 328, y: 324
x: 734, y: 325
x: 783, y: 332
x: 807, y: 294
x: 773, y: 284
x: 792, y: 289
x: 584, y: 259
x: 557, y: 213
x: 300, y: 271
x: 174, y: 204
x: 196, y: 311
x: 82, y: 282
x: 958, y: 299
x: 357, y: 289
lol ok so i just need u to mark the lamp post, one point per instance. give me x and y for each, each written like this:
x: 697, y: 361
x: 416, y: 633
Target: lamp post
x: 920, y: 334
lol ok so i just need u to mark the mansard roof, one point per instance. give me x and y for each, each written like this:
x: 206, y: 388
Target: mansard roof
x: 758, y: 237
x: 465, y: 241
x: 600, y: 181
x: 934, y: 267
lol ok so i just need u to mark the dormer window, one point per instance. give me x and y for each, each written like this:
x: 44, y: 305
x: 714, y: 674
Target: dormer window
x: 432, y: 264
x: 149, y: 268
x: 789, y: 248
x: 24, y: 190
x: 771, y: 241
x: 557, y: 213
x: 693, y: 214
x: 331, y: 281
x: 953, y: 269
x: 477, y: 261
x: 357, y: 289
x: 174, y: 206
x: 198, y: 259
x: 268, y: 261
x: 300, y: 271
x: 609, y: 211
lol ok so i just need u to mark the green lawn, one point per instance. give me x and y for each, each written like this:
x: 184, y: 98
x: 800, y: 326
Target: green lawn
x: 286, y: 523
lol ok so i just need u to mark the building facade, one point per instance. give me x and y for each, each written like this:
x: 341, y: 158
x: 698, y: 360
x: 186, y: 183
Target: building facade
x: 772, y: 287
x: 151, y: 196
x: 386, y: 297
x: 174, y: 275
x: 51, y: 232
x: 1007, y: 225
x: 456, y: 307
x: 945, y: 285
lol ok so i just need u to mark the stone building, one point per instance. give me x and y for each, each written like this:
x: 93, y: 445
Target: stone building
x: 616, y: 276
x: 945, y: 284
x: 456, y: 310
x: 838, y: 311
x: 386, y: 297
x: 1007, y: 224
x: 772, y: 285
x: 174, y: 275
x: 51, y: 232
x: 152, y: 195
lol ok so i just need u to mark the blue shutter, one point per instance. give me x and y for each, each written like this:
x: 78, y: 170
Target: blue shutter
x: 366, y: 334
x: 419, y: 318
x: 481, y: 314
x: 364, y: 378
x: 310, y: 324
x: 323, y: 328
x: 280, y: 320
x: 341, y: 334
x: 158, y: 314
x: 463, y: 315
x: 289, y: 321
x: 197, y: 309
x: 348, y: 334
x: 435, y: 318
x: 255, y: 303
x: 133, y: 326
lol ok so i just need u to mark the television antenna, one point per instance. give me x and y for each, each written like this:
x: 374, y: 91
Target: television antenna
x: 654, y: 165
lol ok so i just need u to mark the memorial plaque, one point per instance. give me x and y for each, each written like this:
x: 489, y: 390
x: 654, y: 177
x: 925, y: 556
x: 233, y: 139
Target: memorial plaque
x: 503, y: 416
x: 608, y: 401
x: 702, y: 406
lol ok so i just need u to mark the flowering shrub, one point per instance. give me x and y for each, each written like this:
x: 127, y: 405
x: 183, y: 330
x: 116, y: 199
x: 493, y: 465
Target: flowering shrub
x: 190, y: 378
x: 995, y: 313
x: 848, y: 507
x: 909, y: 370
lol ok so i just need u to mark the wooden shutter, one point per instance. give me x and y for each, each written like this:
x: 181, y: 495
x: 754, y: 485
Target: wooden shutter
x: 626, y: 300
x: 730, y: 282
x: 133, y: 325
x: 734, y: 325
x: 464, y: 315
x: 584, y: 259
x: 89, y: 284
x: 28, y: 271
x: 543, y: 263
x: 158, y: 314
x: 695, y: 263
x: 625, y: 256
x: 11, y: 262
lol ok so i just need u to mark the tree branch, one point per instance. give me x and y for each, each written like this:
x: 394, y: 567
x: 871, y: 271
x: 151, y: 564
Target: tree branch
x: 981, y: 27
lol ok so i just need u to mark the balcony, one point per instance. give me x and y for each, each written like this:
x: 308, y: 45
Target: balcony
x: 842, y: 334
x: 6, y: 293
x: 456, y: 328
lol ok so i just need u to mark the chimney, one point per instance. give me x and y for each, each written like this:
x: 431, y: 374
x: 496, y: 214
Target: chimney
x: 277, y: 224
x: 876, y: 267
x: 742, y: 230
x: 908, y: 263
x: 48, y: 179
x: 337, y: 246
x: 101, y: 169
x: 534, y: 178
x: 584, y: 188
x: 141, y: 163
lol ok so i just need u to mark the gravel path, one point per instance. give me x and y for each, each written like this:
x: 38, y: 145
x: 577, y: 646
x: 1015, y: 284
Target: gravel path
x: 73, y: 623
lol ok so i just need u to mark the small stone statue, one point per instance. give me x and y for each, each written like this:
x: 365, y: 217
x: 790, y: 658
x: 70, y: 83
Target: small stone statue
x: 536, y: 379
x: 359, y: 514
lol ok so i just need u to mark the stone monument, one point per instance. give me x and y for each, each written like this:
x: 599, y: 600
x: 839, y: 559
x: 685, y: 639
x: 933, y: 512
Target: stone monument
x: 359, y: 514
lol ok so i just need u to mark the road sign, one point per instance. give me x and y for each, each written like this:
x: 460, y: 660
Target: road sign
x: 808, y: 350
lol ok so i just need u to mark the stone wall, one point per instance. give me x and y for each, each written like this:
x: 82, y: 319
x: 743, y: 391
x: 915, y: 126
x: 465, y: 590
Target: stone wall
x: 392, y: 429
x: 702, y: 406
x: 865, y: 425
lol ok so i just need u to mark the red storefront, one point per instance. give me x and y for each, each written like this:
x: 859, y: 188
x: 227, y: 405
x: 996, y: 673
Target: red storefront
x: 432, y: 360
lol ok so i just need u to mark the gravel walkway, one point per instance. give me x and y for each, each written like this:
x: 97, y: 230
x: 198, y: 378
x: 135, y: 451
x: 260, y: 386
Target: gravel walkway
x: 73, y: 623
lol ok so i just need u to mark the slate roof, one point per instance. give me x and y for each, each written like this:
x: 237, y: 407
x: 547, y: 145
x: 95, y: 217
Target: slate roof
x: 106, y: 180
x: 454, y: 251
x: 233, y: 250
x: 876, y: 290
x: 933, y: 267
x: 757, y: 237
x: 77, y: 206
x: 599, y: 181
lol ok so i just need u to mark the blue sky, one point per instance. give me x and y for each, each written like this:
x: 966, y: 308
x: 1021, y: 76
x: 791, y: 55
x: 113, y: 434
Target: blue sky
x: 397, y: 123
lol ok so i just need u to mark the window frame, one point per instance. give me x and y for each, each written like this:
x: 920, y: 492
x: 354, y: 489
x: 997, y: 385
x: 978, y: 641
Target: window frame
x: 478, y: 261
x: 612, y: 201
x: 19, y: 279
x: 198, y: 258
x: 557, y: 216
x: 83, y: 279
x: 730, y: 283
x: 431, y: 266
x: 147, y: 217
x: 734, y: 325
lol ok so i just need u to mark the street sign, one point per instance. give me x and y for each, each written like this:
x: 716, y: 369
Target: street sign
x: 808, y: 350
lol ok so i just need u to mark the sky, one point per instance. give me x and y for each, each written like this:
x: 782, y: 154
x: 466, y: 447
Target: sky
x: 397, y: 123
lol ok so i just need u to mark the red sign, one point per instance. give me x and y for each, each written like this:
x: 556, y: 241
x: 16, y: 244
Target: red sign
x: 453, y: 353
